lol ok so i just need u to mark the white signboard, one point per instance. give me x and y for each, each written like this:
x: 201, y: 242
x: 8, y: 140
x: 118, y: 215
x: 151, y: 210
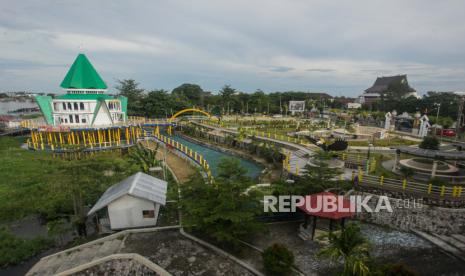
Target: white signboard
x: 296, y: 106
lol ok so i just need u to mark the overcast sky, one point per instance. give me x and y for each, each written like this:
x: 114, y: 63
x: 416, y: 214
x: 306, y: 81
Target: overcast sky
x: 339, y: 47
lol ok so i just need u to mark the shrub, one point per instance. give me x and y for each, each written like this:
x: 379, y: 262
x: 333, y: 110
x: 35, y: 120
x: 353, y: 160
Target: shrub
x: 15, y: 250
x: 278, y: 260
x: 407, y: 172
x: 429, y: 143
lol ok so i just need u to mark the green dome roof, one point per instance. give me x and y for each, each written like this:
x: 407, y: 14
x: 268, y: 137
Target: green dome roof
x: 82, y: 75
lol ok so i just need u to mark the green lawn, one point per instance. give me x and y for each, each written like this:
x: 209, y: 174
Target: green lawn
x: 34, y: 182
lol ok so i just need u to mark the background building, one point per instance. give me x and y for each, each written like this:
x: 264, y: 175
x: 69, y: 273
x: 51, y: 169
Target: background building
x: 85, y: 103
x: 386, y: 87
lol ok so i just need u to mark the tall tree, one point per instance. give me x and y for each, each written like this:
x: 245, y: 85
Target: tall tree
x: 191, y: 92
x: 227, y: 95
x: 318, y: 176
x: 224, y: 210
x: 158, y: 103
x: 130, y: 89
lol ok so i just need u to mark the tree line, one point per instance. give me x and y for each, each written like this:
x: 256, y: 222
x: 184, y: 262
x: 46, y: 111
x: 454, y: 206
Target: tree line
x: 228, y: 100
x: 161, y: 103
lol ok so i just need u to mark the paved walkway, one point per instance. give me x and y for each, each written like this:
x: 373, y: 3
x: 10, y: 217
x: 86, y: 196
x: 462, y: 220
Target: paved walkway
x: 451, y: 244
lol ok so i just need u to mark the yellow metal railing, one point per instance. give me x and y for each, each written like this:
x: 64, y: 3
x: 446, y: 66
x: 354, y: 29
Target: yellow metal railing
x: 454, y: 192
x: 195, y: 156
x: 91, y: 139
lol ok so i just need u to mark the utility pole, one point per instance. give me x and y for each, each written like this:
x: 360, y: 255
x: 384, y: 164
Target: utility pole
x: 437, y: 114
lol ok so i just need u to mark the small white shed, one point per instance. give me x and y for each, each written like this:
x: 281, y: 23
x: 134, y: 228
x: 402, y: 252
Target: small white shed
x: 134, y: 202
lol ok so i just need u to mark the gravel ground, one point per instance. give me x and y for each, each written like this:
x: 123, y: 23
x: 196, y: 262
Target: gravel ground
x: 179, y: 255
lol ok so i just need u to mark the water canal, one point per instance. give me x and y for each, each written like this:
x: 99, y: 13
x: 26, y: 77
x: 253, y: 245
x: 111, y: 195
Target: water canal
x: 214, y: 157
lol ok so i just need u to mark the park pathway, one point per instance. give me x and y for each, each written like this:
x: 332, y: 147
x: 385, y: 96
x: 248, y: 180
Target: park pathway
x: 299, y: 155
x: 453, y: 245
x: 180, y: 167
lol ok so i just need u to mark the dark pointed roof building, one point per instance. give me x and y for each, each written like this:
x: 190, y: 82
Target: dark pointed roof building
x: 384, y: 86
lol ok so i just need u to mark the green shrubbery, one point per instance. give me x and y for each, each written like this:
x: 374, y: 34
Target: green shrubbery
x: 429, y: 142
x: 14, y: 250
x: 278, y: 260
x: 36, y: 182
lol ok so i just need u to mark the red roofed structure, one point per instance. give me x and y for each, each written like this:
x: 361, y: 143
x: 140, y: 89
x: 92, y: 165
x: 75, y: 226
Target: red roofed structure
x: 311, y: 208
x: 314, y: 206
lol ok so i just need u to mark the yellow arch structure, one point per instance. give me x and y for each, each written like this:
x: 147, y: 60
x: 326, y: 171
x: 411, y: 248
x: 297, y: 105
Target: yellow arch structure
x: 169, y: 130
x: 189, y: 110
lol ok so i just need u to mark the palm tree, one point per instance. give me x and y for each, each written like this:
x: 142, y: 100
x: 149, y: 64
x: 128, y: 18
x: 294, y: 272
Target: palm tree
x: 144, y: 157
x: 351, y: 247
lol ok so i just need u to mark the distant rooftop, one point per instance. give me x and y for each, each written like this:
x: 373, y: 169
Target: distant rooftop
x: 382, y: 84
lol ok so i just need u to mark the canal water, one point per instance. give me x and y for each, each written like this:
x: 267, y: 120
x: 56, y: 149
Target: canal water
x: 214, y: 157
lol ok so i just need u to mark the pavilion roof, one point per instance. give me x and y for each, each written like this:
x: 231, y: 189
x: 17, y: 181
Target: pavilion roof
x: 312, y: 205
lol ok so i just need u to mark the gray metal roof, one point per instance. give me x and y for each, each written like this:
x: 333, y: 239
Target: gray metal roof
x: 139, y: 185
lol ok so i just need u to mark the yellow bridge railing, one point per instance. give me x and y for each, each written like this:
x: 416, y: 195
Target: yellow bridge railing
x: 195, y: 156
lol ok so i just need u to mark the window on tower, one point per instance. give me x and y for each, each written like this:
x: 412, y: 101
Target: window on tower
x: 69, y: 106
x: 81, y: 106
x: 76, y: 106
x: 64, y: 106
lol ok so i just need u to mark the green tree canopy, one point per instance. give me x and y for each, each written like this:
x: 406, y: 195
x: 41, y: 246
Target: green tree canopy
x: 350, y: 246
x: 319, y: 176
x: 224, y: 210
x: 193, y: 93
x: 278, y: 260
x: 130, y: 89
x: 429, y: 142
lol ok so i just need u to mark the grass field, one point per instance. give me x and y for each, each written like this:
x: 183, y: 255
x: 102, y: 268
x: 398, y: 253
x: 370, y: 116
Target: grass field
x: 34, y: 182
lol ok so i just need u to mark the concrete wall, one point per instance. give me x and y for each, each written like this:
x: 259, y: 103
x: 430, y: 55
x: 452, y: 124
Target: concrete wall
x: 102, y: 117
x: 406, y: 216
x: 126, y: 212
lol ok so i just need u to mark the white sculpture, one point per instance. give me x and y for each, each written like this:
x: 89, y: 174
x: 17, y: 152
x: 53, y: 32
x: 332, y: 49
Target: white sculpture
x: 424, y: 126
x: 387, y: 122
